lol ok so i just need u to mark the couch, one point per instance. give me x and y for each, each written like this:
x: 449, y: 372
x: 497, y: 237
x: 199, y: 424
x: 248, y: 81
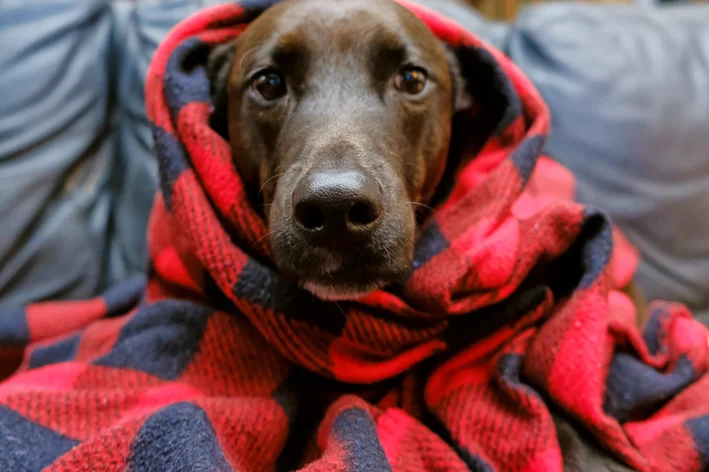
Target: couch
x: 627, y: 86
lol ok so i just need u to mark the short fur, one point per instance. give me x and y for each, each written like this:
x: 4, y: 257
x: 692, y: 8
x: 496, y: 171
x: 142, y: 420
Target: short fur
x: 341, y: 111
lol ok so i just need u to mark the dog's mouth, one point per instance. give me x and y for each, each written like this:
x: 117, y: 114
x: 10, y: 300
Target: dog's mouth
x: 339, y: 291
x: 344, y: 284
x: 339, y: 277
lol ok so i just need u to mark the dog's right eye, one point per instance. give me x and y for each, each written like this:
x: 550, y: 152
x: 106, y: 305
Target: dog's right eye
x: 270, y: 85
x: 411, y: 80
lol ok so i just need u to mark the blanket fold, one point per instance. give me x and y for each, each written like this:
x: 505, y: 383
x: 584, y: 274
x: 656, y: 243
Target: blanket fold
x: 512, y: 318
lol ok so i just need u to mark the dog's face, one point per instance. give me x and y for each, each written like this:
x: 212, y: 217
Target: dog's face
x: 339, y: 117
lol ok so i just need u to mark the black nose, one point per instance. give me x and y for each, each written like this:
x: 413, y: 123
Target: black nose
x: 337, y: 206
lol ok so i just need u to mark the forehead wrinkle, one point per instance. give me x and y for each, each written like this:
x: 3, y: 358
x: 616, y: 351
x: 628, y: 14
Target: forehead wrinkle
x: 290, y: 53
x: 340, y: 40
x: 358, y: 28
x: 289, y: 43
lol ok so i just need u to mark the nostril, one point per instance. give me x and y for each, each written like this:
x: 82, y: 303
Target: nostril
x: 362, y: 214
x: 309, y: 215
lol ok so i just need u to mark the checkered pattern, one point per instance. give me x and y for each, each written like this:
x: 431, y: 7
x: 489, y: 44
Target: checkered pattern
x: 215, y: 363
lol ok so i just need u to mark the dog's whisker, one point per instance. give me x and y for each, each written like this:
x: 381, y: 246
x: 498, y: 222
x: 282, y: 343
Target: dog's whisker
x: 340, y: 308
x: 413, y: 164
x: 388, y: 253
x: 422, y: 205
x: 315, y: 302
x: 266, y: 182
x: 261, y: 238
x: 274, y: 235
x: 247, y: 54
x: 277, y: 235
x: 275, y: 176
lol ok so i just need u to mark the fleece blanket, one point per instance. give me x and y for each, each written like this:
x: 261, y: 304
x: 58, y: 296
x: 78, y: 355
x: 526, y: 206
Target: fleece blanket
x: 512, y: 315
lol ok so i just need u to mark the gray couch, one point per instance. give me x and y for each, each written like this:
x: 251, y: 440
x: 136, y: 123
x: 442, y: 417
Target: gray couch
x: 628, y: 88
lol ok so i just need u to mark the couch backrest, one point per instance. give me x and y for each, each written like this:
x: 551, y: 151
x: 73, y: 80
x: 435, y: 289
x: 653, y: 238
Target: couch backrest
x: 628, y: 90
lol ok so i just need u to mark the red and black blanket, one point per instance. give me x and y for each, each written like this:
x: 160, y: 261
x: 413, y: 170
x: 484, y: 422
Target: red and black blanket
x: 511, y: 316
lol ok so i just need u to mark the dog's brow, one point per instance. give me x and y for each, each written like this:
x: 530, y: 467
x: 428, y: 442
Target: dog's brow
x: 388, y: 54
x: 395, y: 53
x: 288, y: 45
x: 289, y: 51
x: 390, y: 45
x: 388, y: 39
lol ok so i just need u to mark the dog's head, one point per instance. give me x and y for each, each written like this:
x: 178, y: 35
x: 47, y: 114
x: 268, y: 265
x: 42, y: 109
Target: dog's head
x: 339, y: 116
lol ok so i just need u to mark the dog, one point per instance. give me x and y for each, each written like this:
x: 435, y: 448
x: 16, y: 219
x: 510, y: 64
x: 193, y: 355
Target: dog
x: 340, y: 118
x: 339, y: 115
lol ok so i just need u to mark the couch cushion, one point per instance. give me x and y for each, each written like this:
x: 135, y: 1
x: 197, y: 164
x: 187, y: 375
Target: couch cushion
x: 628, y: 90
x: 55, y: 148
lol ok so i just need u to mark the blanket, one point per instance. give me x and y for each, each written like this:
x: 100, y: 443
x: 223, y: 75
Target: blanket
x: 512, y: 315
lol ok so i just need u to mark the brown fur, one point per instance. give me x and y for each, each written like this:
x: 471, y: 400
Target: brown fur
x: 342, y: 113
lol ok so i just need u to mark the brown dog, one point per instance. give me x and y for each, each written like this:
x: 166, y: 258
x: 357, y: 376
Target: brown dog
x: 339, y: 115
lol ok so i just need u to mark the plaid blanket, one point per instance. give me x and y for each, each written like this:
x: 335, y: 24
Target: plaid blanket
x: 511, y: 314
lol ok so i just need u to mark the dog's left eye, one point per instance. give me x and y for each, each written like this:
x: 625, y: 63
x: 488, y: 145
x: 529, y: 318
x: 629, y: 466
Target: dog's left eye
x: 270, y: 85
x: 411, y: 80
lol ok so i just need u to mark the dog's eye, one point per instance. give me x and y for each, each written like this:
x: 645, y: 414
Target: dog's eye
x: 270, y: 85
x: 411, y: 80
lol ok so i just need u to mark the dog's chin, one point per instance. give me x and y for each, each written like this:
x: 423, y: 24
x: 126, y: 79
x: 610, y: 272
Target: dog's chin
x: 341, y: 292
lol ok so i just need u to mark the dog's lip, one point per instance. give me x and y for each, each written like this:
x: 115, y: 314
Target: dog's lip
x: 354, y: 276
x: 341, y: 292
x: 349, y: 286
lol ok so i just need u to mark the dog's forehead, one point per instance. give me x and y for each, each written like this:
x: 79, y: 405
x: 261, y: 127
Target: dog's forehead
x: 319, y: 26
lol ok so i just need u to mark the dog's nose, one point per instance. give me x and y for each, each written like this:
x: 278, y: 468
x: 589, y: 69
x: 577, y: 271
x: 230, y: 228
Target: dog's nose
x: 336, y: 206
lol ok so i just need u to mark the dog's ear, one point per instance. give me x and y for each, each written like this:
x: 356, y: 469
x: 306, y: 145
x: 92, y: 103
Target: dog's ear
x: 218, y: 68
x: 462, y: 98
